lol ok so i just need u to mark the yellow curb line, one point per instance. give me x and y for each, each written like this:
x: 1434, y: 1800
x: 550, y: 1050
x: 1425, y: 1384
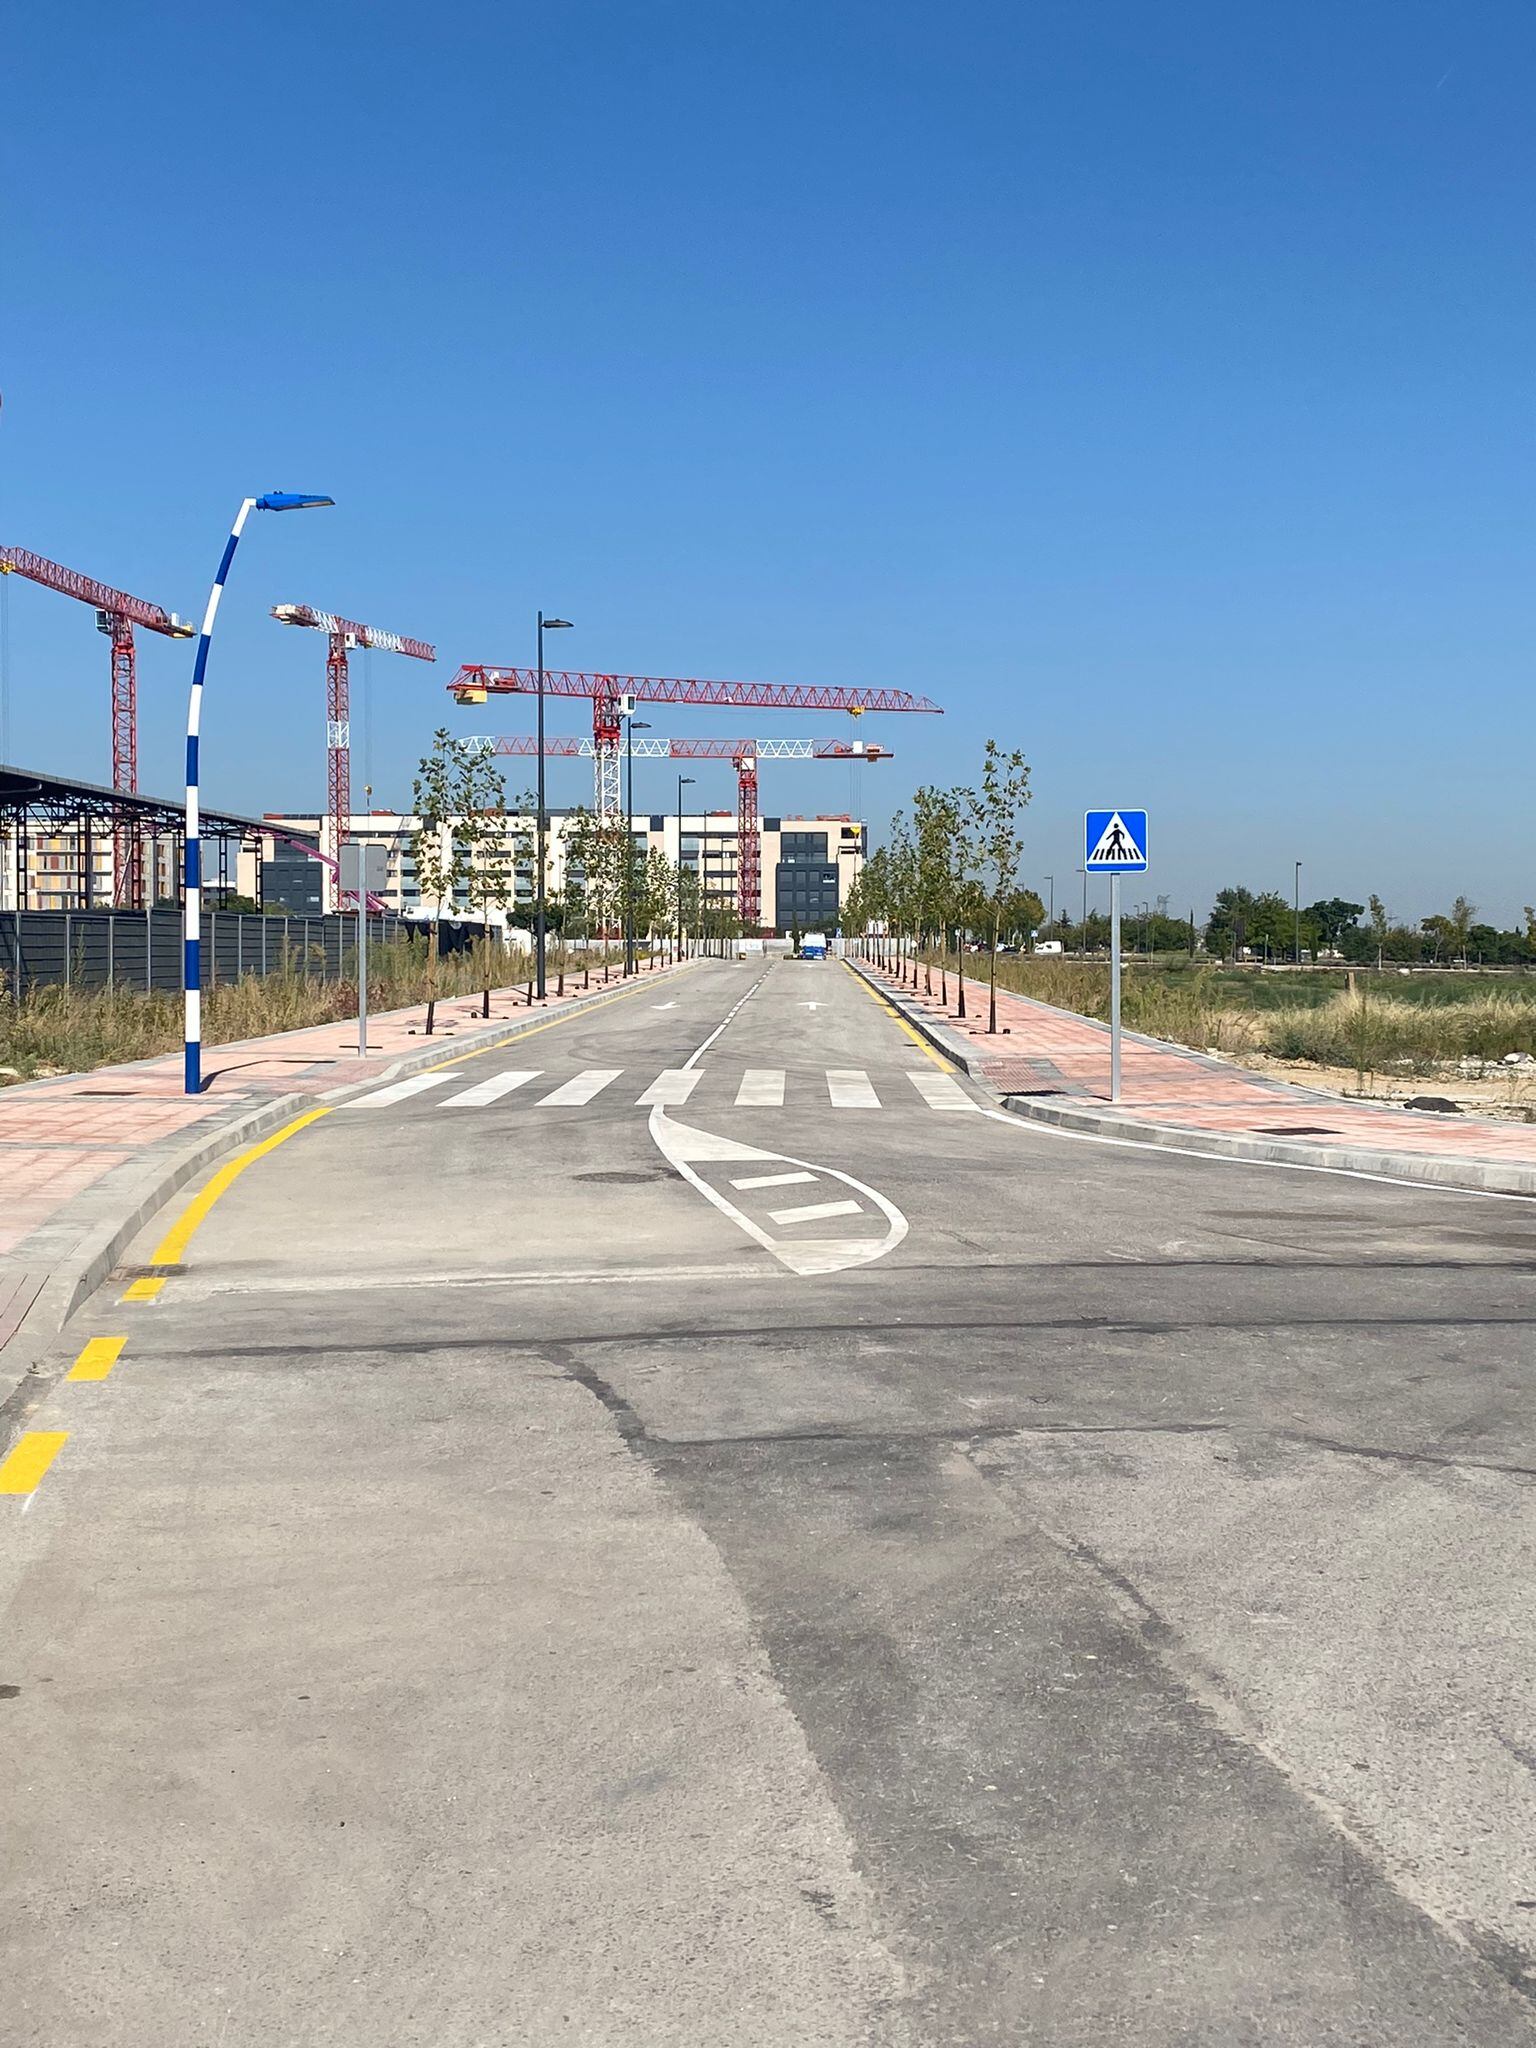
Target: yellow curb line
x: 97, y: 1359
x: 30, y: 1458
x: 917, y: 1038
x: 169, y: 1251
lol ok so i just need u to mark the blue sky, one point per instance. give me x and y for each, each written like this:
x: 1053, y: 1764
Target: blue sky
x: 1150, y: 385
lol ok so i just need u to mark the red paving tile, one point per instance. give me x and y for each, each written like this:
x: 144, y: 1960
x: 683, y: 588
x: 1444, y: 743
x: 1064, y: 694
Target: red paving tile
x: 1047, y: 1049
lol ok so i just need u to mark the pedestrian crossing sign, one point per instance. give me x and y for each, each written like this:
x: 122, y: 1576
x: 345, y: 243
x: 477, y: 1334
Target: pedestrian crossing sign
x: 1116, y: 843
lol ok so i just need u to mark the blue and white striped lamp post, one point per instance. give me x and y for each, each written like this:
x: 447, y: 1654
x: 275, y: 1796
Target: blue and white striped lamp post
x: 192, y: 926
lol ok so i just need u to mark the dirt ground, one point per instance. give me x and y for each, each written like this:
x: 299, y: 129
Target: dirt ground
x: 1508, y: 1092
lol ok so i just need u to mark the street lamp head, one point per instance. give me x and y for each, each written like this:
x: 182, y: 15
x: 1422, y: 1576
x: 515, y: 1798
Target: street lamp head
x: 639, y: 725
x: 685, y: 782
x: 554, y: 625
x: 290, y: 501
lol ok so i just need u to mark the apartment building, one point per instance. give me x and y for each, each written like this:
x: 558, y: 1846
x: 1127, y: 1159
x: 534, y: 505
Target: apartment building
x: 806, y: 864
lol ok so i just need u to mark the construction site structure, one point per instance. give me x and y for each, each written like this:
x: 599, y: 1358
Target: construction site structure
x: 344, y: 635
x: 117, y: 613
x: 744, y: 756
x: 613, y: 698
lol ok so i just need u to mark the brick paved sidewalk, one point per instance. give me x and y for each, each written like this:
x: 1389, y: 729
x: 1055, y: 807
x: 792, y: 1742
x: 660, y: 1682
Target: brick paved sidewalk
x: 1054, y: 1055
x: 61, y: 1138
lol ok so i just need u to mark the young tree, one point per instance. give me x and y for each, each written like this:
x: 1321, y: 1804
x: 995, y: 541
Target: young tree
x: 492, y: 850
x: 1379, y: 926
x: 996, y: 844
x: 1462, y: 918
x: 441, y: 868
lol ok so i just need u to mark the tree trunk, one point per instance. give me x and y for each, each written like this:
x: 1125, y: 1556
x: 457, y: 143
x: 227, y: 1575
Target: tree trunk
x: 431, y: 976
x: 992, y: 978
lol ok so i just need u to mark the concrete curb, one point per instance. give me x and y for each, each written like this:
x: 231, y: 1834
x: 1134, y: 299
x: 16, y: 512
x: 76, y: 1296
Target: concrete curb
x: 1478, y: 1176
x: 133, y: 1202
x: 940, y: 1036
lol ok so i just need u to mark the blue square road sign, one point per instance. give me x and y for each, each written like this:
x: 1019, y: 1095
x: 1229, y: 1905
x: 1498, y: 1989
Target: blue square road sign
x: 1115, y: 843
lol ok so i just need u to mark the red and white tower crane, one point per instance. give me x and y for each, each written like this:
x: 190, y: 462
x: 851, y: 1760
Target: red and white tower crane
x: 744, y: 756
x: 116, y: 615
x: 345, y: 634
x: 611, y: 695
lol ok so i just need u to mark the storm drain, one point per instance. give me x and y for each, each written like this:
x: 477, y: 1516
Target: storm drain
x: 1295, y: 1131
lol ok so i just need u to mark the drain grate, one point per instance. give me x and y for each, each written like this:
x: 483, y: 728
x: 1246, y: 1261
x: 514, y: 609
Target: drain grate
x: 1295, y: 1131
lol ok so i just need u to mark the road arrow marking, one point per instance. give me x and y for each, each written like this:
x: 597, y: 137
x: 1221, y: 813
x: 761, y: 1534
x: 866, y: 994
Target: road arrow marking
x: 811, y: 1006
x: 663, y: 1006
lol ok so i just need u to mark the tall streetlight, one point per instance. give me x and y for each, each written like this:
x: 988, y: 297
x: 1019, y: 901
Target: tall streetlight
x: 632, y: 725
x: 541, y: 828
x: 683, y: 782
x: 1298, y: 913
x: 1084, y: 873
x: 1050, y: 915
x: 192, y: 884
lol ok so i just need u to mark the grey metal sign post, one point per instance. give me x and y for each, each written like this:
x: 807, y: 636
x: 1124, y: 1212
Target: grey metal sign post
x: 1115, y: 844
x: 363, y: 872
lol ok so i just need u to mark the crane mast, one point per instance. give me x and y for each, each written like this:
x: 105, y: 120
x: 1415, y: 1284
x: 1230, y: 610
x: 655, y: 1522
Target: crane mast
x: 343, y: 635
x: 117, y: 613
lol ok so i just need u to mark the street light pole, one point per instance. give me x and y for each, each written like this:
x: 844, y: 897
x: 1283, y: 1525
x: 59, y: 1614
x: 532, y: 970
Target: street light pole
x: 632, y: 725
x: 682, y: 782
x: 1298, y: 913
x: 541, y: 827
x: 192, y: 884
x: 1050, y: 915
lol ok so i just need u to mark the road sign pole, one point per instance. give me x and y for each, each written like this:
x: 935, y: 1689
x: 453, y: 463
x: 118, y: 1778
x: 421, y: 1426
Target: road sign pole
x: 1114, y: 988
x: 362, y: 976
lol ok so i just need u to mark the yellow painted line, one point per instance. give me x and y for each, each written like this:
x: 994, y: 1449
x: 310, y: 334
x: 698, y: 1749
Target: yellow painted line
x: 29, y: 1460
x: 917, y: 1038
x: 97, y: 1359
x: 172, y: 1247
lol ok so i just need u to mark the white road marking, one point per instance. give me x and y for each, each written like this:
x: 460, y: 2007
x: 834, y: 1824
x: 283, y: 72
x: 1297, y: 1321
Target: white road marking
x: 812, y: 1212
x: 671, y: 1085
x: 684, y: 1146
x: 851, y: 1088
x: 663, y: 1006
x: 571, y: 1094
x: 492, y: 1090
x: 761, y: 1088
x: 700, y: 1050
x: 382, y: 1097
x: 813, y: 1006
x: 771, y: 1180
x: 941, y: 1091
x: 1172, y: 1152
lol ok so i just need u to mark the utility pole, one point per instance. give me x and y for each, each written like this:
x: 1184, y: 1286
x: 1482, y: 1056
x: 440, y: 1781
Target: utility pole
x: 1298, y: 913
x: 683, y: 781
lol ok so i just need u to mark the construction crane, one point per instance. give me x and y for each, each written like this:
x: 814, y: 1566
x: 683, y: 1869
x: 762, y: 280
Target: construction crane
x: 613, y: 696
x: 345, y: 634
x: 116, y: 615
x: 744, y: 755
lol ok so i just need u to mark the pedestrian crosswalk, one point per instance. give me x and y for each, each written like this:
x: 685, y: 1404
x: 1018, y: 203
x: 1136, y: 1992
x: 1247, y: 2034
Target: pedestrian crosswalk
x: 756, y: 1088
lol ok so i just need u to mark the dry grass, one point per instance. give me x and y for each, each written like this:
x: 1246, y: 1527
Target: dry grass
x: 1360, y: 1029
x: 68, y: 1030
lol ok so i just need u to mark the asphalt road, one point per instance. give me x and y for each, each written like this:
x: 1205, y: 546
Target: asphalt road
x: 523, y: 1582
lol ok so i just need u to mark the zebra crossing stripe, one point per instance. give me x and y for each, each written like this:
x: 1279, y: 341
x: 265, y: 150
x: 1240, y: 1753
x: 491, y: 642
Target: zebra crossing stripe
x: 851, y: 1088
x: 761, y: 1088
x: 671, y: 1086
x: 771, y: 1180
x: 399, y: 1091
x: 492, y: 1090
x: 571, y: 1094
x: 941, y: 1091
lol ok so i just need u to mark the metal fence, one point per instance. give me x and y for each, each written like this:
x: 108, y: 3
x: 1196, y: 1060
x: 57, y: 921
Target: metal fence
x: 141, y: 949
